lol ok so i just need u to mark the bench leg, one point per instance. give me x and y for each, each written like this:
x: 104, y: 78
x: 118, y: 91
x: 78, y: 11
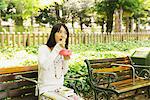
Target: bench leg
x: 95, y: 95
x: 100, y: 95
x: 148, y: 92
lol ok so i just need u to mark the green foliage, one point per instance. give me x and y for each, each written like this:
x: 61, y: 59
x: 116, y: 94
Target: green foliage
x: 25, y: 8
x: 28, y: 62
x: 47, y: 15
x: 3, y: 4
x: 32, y: 49
x: 80, y: 53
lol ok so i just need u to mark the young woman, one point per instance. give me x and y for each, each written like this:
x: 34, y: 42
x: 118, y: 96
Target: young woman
x: 53, y: 66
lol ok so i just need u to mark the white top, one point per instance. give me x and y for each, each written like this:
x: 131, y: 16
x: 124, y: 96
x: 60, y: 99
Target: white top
x: 51, y: 68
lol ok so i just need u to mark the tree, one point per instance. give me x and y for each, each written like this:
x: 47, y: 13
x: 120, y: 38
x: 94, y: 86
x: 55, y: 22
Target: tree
x: 129, y: 8
x: 3, y: 6
x: 108, y: 7
x: 47, y: 15
x: 122, y: 8
x: 78, y: 8
x: 20, y: 10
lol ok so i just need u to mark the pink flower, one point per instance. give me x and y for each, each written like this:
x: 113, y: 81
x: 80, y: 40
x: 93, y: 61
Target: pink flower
x: 65, y: 52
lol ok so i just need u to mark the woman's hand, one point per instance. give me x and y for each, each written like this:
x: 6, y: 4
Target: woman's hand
x: 66, y: 57
x: 62, y: 43
x: 66, y: 53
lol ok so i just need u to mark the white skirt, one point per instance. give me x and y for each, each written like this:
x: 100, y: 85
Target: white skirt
x: 63, y: 93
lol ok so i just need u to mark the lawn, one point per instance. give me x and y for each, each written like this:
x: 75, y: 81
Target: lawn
x: 28, y: 56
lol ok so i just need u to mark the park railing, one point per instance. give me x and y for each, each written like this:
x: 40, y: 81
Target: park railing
x: 30, y: 39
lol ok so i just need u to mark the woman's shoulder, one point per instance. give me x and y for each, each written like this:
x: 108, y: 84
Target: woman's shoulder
x: 43, y: 47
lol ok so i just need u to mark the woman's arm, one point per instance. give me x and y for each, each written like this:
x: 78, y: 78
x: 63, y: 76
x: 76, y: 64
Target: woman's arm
x: 66, y: 68
x: 46, y: 57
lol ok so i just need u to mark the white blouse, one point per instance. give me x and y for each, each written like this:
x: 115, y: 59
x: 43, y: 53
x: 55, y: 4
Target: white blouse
x: 51, y: 68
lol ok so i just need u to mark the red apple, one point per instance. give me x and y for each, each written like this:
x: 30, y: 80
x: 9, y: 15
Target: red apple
x: 65, y: 52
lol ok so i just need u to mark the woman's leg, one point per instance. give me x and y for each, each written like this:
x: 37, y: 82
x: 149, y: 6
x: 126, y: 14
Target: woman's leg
x: 52, y: 96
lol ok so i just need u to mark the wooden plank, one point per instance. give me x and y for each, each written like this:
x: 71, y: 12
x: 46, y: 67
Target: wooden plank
x: 16, y: 84
x: 10, y: 77
x: 38, y: 38
x: 18, y: 69
x: 34, y: 35
x: 139, y: 84
x: 13, y: 39
x: 28, y: 97
x: 111, y: 69
x: 122, y: 59
x: 8, y: 38
x: 19, y: 40
x: 43, y: 38
x: 3, y: 94
x: 125, y: 72
x: 24, y: 39
x: 28, y: 39
x: 2, y: 38
x: 101, y: 65
x: 19, y: 92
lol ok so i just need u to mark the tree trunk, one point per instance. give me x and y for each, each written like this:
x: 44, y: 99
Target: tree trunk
x: 72, y: 22
x: 102, y: 30
x: 127, y: 24
x: 138, y: 25
x: 109, y: 22
x: 132, y: 23
x: 81, y: 23
x: 120, y: 19
x: 116, y: 21
x: 31, y: 27
x: 19, y: 24
x: 57, y: 11
x: 31, y: 20
x: 0, y: 21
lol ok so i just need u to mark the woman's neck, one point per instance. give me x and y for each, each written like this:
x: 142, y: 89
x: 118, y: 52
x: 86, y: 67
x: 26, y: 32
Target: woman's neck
x: 51, y: 48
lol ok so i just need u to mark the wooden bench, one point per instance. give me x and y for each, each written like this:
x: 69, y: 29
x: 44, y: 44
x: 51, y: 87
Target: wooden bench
x: 115, y: 79
x: 12, y: 88
x: 19, y: 83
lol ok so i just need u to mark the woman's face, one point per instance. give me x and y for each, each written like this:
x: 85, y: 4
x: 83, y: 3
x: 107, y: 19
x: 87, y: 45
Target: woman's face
x: 61, y: 35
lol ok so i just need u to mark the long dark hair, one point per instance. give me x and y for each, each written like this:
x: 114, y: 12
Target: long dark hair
x: 56, y: 28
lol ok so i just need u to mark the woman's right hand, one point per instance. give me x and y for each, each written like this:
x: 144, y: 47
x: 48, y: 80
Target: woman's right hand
x: 62, y: 43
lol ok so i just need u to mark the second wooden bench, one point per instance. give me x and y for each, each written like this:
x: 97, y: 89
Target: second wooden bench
x: 115, y: 79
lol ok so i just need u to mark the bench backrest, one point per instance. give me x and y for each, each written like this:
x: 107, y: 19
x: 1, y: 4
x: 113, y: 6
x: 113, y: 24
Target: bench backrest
x: 18, y: 89
x: 104, y: 66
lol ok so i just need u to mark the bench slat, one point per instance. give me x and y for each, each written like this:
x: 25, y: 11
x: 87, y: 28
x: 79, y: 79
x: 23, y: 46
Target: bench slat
x: 129, y: 87
x: 17, y: 84
x: 17, y: 69
x: 3, y: 94
x: 111, y: 69
x: 17, y: 92
x: 122, y: 59
x: 28, y: 97
x: 10, y: 77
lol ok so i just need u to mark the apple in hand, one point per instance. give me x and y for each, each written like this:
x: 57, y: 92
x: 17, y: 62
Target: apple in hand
x: 65, y: 52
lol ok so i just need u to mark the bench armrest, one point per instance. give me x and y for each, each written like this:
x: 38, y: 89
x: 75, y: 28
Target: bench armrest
x: 78, y: 84
x: 127, y: 65
x: 31, y: 80
x: 25, y: 78
x: 141, y: 66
